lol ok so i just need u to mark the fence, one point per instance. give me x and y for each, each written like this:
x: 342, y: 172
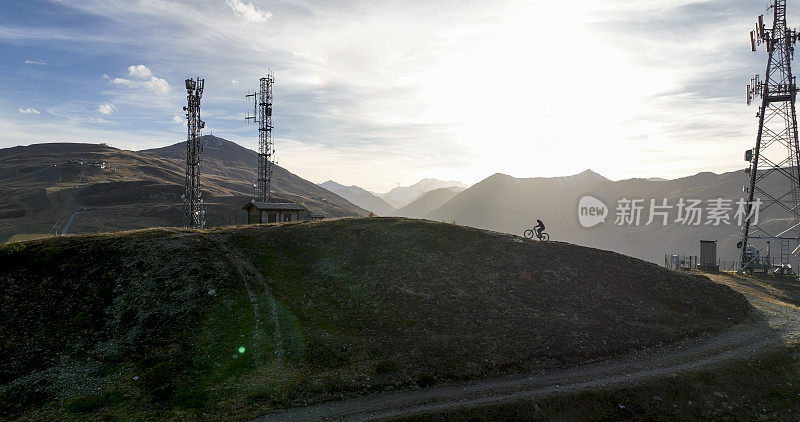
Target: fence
x: 729, y: 265
x: 220, y: 215
x: 680, y: 262
x: 689, y: 262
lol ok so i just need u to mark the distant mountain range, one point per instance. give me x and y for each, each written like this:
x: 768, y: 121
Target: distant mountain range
x: 401, y: 196
x: 511, y: 205
x: 427, y: 202
x: 507, y: 204
x: 46, y: 188
x: 398, y: 201
x: 361, y: 197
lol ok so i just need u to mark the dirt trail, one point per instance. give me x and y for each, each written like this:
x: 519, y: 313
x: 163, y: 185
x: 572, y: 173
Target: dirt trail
x: 249, y: 273
x: 69, y: 222
x: 74, y: 206
x: 778, y: 325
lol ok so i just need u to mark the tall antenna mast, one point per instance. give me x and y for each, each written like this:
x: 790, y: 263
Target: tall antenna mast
x: 774, y: 172
x: 262, y: 114
x: 194, y: 216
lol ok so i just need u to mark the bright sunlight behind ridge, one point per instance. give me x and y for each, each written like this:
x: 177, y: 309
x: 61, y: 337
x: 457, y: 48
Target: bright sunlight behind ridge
x: 381, y: 93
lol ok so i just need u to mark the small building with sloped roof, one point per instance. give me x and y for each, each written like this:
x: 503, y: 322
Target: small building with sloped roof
x: 276, y: 212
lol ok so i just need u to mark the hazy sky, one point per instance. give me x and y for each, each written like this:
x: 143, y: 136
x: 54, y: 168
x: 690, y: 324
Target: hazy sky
x: 377, y: 93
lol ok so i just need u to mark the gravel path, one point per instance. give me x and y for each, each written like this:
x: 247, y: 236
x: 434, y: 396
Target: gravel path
x: 780, y: 323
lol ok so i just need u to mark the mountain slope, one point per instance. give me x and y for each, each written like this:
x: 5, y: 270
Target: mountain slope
x: 236, y: 167
x: 428, y: 202
x: 42, y: 186
x: 402, y: 196
x: 360, y: 197
x: 230, y: 323
x: 511, y: 205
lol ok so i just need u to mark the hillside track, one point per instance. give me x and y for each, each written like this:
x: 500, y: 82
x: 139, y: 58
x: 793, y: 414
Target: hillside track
x: 253, y: 280
x: 775, y: 323
x: 70, y: 221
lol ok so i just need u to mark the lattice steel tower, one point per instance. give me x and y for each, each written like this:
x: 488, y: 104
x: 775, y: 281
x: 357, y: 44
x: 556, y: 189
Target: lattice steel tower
x: 262, y: 114
x: 774, y: 174
x: 194, y: 215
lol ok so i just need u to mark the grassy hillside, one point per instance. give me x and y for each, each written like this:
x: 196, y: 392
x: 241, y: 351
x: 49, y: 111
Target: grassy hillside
x: 233, y: 322
x: 40, y: 192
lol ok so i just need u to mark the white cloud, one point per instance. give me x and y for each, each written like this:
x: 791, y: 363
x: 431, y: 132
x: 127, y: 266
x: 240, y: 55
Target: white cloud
x: 177, y: 119
x: 36, y: 62
x: 139, y: 72
x: 248, y: 11
x: 141, y: 77
x: 157, y: 84
x: 90, y: 120
x: 234, y: 82
x: 154, y: 84
x: 106, y: 108
x: 29, y: 110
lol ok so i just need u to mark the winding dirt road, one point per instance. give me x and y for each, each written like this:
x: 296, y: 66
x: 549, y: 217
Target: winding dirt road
x: 779, y: 323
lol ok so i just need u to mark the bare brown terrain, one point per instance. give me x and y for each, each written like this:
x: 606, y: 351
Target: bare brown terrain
x: 44, y: 190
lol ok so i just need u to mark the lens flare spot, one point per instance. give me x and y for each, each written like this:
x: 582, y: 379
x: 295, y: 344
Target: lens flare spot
x: 241, y: 349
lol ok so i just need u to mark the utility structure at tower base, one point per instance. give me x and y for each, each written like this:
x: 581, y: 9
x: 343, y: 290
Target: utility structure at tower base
x: 194, y: 215
x: 773, y: 164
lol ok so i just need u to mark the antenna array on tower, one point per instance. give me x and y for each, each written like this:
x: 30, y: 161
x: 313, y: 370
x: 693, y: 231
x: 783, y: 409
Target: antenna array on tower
x: 194, y: 215
x: 262, y: 114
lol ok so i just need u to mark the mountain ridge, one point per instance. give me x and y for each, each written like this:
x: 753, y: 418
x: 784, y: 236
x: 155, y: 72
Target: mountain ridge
x: 44, y: 185
x: 428, y: 201
x: 360, y: 197
x: 401, y: 196
x: 511, y: 205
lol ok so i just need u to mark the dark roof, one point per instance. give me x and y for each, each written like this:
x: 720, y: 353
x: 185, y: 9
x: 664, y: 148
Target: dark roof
x: 269, y: 206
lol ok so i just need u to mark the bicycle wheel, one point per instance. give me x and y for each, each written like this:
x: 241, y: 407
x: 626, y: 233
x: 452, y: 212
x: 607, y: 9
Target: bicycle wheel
x: 545, y: 237
x: 529, y: 234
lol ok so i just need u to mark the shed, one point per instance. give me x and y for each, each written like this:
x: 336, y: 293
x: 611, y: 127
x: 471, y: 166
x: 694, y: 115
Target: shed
x: 274, y: 212
x: 708, y: 256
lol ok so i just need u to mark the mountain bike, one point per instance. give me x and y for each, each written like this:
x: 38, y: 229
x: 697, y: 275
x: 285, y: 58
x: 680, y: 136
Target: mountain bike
x: 543, y: 237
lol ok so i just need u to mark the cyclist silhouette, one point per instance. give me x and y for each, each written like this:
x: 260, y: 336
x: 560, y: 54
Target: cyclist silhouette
x: 539, y: 228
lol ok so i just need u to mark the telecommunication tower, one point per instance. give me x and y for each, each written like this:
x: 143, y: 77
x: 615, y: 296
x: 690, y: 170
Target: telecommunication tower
x: 773, y: 170
x: 262, y: 114
x: 194, y: 216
